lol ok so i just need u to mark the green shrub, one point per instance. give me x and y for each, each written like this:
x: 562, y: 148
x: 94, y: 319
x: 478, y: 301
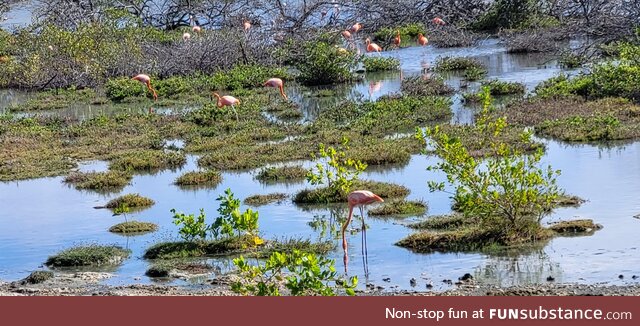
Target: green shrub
x: 408, y: 33
x: 246, y: 76
x: 118, y: 89
x: 280, y: 174
x: 498, y: 87
x: 399, y: 207
x: 418, y: 86
x: 335, y: 169
x: 323, y: 64
x: 303, y: 274
x: 231, y: 220
x: 457, y: 63
x: 131, y: 200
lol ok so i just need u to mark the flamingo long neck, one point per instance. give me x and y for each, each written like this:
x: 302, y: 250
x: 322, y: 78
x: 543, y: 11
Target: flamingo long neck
x: 153, y: 91
x: 281, y: 87
x: 219, y: 100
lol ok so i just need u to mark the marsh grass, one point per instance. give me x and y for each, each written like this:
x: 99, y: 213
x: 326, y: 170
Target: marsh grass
x: 148, y: 160
x: 291, y: 244
x: 131, y: 201
x: 498, y: 87
x: 373, y: 64
x: 169, y: 268
x: 133, y: 228
x: 99, y: 181
x: 457, y: 64
x: 37, y: 277
x: 208, y: 178
x: 92, y: 255
x: 186, y: 249
x: 400, y: 208
x: 282, y: 174
x: 260, y: 200
x: 327, y: 195
x: 419, y: 86
x: 575, y: 227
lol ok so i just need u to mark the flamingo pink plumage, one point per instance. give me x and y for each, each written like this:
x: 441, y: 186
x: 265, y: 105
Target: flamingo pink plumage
x: 277, y: 83
x: 358, y: 198
x: 145, y: 79
x: 355, y: 28
x: 422, y: 40
x: 372, y: 47
x: 227, y: 100
x: 438, y: 21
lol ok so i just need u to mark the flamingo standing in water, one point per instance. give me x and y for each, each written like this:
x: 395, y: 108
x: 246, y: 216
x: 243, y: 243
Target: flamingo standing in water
x: 422, y: 40
x: 196, y: 29
x: 246, y: 25
x: 397, y: 40
x: 438, y: 21
x: 186, y: 37
x: 277, y: 83
x: 355, y: 28
x: 145, y: 79
x: 227, y: 100
x: 358, y: 198
x: 372, y: 47
x: 346, y: 35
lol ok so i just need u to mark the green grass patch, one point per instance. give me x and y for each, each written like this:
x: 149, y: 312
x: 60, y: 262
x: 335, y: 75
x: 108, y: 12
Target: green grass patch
x: 457, y: 64
x: 575, y: 227
x: 92, y: 255
x: 172, y: 267
x: 289, y: 245
x: 260, y: 200
x: 133, y: 227
x: 100, y: 181
x: 443, y: 222
x: 372, y: 64
x: 420, y: 86
x: 208, y: 178
x: 186, y: 249
x: 400, y: 208
x: 282, y: 174
x: 498, y: 87
x: 131, y: 201
x: 148, y: 160
x: 328, y: 195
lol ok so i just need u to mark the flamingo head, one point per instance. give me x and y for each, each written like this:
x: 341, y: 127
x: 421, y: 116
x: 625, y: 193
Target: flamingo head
x: 368, y: 41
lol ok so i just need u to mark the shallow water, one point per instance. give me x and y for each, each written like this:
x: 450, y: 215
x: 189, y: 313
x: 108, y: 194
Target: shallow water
x: 42, y: 216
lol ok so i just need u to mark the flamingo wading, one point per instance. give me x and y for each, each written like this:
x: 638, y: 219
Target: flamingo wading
x: 277, y: 83
x: 360, y: 199
x: 145, y: 79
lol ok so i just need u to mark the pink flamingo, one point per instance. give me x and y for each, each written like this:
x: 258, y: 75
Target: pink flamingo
x: 277, y: 83
x: 346, y: 35
x: 323, y: 14
x: 374, y: 87
x: 227, y: 100
x: 196, y: 29
x: 145, y: 79
x: 438, y: 21
x: 186, y: 37
x: 358, y: 198
x: 372, y: 47
x: 397, y: 40
x: 422, y: 40
x: 355, y: 28
x: 246, y: 25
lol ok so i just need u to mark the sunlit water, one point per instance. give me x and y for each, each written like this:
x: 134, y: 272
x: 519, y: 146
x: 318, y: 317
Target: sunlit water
x: 43, y: 216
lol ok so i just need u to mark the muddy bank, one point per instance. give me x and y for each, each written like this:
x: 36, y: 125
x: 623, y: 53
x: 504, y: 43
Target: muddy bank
x: 80, y: 284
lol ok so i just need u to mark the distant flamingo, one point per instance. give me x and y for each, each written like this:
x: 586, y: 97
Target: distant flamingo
x: 374, y: 87
x: 397, y: 40
x: 372, y: 47
x: 422, y: 40
x: 323, y: 14
x: 145, y: 79
x: 355, y: 28
x: 246, y: 25
x: 277, y: 83
x: 186, y: 36
x: 196, y: 29
x: 346, y: 35
x: 227, y: 100
x: 358, y: 198
x: 438, y: 21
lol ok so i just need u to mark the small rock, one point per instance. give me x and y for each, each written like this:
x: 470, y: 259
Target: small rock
x: 458, y: 283
x: 387, y: 279
x: 447, y: 281
x: 634, y: 277
x: 413, y: 281
x: 466, y: 277
x: 371, y: 286
x: 620, y: 276
x: 136, y: 279
x: 429, y: 285
x: 380, y: 288
x: 550, y: 279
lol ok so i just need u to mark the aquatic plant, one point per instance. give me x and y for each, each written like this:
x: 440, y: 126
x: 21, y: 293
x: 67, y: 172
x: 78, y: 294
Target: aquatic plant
x: 133, y: 227
x: 303, y: 274
x: 498, y: 87
x: 109, y: 180
x: 335, y: 170
x: 191, y: 227
x: 322, y: 64
x: 131, y: 201
x: 281, y: 174
x: 231, y: 221
x: 259, y: 200
x: 372, y: 64
x: 457, y: 63
x: 419, y: 86
x: 91, y: 255
x: 399, y: 208
x: 209, y: 178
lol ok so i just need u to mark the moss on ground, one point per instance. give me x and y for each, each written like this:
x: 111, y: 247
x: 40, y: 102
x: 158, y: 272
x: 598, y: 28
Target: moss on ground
x: 208, y: 178
x: 282, y: 174
x: 37, y: 277
x: 425, y: 86
x: 133, y: 227
x: 131, y: 201
x: 186, y: 249
x: 400, y: 208
x: 328, y: 195
x: 92, y: 255
x: 260, y: 200
x: 99, y: 181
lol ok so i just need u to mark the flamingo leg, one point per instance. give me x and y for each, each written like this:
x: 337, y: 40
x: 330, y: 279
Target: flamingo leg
x: 365, y: 255
x: 233, y: 107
